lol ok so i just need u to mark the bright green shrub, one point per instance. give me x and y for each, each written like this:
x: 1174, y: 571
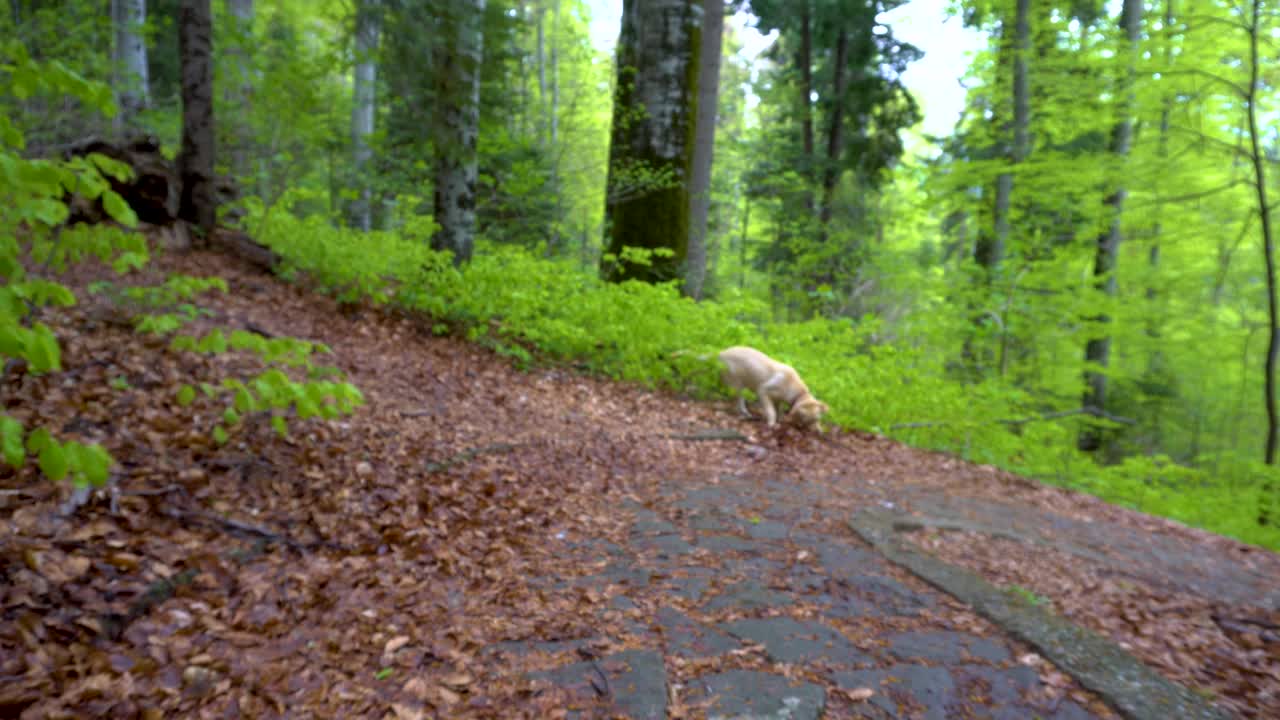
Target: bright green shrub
x: 32, y: 209
x: 526, y: 306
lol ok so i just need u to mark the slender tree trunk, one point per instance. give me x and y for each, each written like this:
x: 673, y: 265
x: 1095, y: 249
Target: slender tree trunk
x: 704, y: 144
x: 129, y: 60
x: 1155, y: 357
x: 742, y: 246
x: 553, y: 124
x: 362, y: 111
x: 835, y: 132
x: 457, y: 130
x: 989, y: 250
x: 195, y: 161
x: 1268, y: 250
x: 240, y: 89
x: 1098, y: 349
x: 540, y: 61
x: 653, y: 123
x: 804, y: 58
x: 553, y: 116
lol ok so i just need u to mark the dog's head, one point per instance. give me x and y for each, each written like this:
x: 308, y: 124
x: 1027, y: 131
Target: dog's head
x: 807, y: 412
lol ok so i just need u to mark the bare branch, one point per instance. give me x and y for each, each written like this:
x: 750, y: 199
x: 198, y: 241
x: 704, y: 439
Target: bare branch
x: 1222, y: 144
x: 1185, y: 197
x: 1239, y: 89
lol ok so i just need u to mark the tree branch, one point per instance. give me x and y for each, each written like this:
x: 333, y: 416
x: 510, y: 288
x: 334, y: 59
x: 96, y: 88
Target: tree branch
x: 1197, y: 195
x: 1234, y: 150
x: 1239, y: 89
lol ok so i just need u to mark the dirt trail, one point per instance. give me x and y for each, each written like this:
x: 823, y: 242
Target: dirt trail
x: 483, y: 542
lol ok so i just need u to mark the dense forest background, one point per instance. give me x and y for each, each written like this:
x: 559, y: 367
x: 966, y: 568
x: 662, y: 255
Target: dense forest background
x: 1076, y: 283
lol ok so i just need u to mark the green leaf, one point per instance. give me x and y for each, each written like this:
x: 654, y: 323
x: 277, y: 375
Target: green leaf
x: 54, y: 462
x: 95, y: 464
x: 280, y: 425
x: 186, y: 395
x: 43, y: 353
x: 244, y: 401
x: 230, y: 416
x: 11, y: 441
x: 215, y: 342
x: 38, y: 440
x: 129, y: 261
x: 219, y: 435
x: 383, y: 674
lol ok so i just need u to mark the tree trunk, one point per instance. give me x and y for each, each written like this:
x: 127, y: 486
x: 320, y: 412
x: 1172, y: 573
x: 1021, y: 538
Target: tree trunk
x: 704, y: 144
x: 835, y: 133
x: 651, y: 145
x: 1268, y: 250
x: 1098, y: 349
x: 553, y: 122
x: 457, y: 129
x: 362, y: 111
x: 129, y: 60
x: 1155, y: 370
x: 804, y: 58
x: 195, y: 161
x: 240, y: 88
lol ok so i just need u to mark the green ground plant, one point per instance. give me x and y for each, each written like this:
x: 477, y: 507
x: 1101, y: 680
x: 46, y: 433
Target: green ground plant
x: 538, y: 309
x: 36, y: 194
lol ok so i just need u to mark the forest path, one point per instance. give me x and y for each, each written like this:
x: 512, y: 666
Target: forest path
x: 484, y: 542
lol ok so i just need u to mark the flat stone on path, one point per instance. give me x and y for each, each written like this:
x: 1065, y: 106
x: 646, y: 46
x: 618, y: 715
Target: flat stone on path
x: 794, y: 641
x: 768, y: 530
x: 688, y: 638
x: 741, y: 694
x: 928, y: 687
x: 727, y: 543
x: 749, y: 595
x: 945, y: 647
x: 633, y: 681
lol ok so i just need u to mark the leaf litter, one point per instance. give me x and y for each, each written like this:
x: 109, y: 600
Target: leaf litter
x: 361, y: 568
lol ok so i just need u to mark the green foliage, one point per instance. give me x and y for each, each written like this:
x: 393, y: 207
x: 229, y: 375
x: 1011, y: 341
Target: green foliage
x: 34, y: 208
x: 532, y: 308
x: 169, y: 299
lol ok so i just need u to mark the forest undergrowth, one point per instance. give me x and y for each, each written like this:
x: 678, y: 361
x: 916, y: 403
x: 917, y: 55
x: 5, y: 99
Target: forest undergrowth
x: 528, y: 307
x: 235, y: 574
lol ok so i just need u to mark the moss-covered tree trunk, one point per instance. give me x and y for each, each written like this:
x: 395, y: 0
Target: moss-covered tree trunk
x: 458, y: 127
x: 651, y: 147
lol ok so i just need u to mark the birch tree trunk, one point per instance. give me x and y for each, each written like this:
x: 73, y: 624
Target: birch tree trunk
x: 195, y: 161
x: 651, y: 146
x: 704, y: 144
x: 366, y: 78
x: 457, y: 75
x: 129, y: 60
x: 1098, y: 349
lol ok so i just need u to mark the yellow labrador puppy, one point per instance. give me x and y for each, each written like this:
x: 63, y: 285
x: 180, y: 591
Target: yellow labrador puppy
x: 746, y: 368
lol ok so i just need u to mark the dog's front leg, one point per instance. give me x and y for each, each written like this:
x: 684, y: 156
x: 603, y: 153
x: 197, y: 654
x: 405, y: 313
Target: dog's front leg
x: 766, y: 404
